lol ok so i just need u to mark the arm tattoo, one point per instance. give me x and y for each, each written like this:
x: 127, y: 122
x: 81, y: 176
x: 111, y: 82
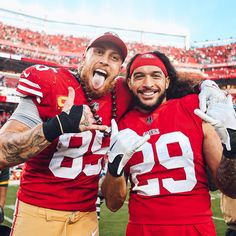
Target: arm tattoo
x: 84, y: 122
x: 226, y: 177
x: 21, y: 146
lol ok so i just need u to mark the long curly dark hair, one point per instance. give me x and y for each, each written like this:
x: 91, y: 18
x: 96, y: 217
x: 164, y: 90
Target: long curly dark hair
x: 177, y: 87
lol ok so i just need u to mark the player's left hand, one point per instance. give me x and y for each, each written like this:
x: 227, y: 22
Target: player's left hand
x: 72, y: 119
x: 122, y: 146
x: 210, y: 93
x: 222, y: 116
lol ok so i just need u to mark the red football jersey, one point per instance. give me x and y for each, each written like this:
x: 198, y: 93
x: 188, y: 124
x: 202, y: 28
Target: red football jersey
x: 65, y: 175
x: 168, y: 178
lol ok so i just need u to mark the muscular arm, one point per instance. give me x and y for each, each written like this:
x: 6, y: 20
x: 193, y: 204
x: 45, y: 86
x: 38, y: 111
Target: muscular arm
x: 114, y: 190
x: 222, y: 169
x: 226, y: 177
x: 18, y: 142
x: 212, y: 149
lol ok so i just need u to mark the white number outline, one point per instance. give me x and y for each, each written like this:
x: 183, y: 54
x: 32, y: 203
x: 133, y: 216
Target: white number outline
x: 186, y: 161
x: 44, y: 68
x: 77, y: 154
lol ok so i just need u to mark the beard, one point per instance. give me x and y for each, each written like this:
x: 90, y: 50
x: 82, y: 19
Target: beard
x: 107, y: 87
x: 149, y: 108
x: 95, y: 93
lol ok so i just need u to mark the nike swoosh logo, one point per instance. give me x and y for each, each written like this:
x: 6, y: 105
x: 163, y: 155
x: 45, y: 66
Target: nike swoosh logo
x: 113, y: 145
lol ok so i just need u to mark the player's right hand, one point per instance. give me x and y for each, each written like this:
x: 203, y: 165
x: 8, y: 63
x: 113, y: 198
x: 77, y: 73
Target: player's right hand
x: 122, y: 146
x: 210, y: 94
x: 72, y: 119
x: 222, y: 116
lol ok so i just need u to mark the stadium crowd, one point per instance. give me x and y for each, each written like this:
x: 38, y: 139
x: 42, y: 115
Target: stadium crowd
x: 67, y: 50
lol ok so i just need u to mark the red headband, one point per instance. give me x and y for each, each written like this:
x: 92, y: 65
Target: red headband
x: 148, y: 59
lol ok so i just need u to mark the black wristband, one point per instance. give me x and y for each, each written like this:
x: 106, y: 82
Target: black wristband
x: 63, y: 123
x: 70, y: 122
x: 51, y: 129
x: 232, y: 153
x: 113, y: 166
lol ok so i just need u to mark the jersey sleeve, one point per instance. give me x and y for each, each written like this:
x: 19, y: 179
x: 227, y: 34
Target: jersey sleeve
x: 124, y: 97
x: 190, y: 103
x: 36, y: 81
x: 43, y: 85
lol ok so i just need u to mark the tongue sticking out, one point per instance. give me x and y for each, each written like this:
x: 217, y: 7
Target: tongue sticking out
x: 98, y: 80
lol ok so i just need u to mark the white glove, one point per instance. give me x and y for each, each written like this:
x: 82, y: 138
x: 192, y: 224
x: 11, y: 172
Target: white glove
x: 122, y: 146
x: 221, y: 116
x: 210, y: 93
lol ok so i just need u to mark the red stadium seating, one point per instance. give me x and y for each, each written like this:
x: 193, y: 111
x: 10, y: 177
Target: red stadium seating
x: 217, y: 61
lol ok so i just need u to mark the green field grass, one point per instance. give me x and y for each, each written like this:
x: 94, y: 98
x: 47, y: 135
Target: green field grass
x: 114, y: 224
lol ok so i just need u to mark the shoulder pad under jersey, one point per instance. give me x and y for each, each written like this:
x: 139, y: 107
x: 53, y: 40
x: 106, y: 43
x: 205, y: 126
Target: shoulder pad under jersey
x: 190, y: 101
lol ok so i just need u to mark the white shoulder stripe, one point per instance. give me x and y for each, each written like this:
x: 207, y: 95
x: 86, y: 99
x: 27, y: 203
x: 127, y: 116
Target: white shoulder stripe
x: 31, y: 91
x: 26, y: 81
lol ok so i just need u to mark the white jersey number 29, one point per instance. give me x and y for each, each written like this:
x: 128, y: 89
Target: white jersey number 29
x: 184, y: 161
